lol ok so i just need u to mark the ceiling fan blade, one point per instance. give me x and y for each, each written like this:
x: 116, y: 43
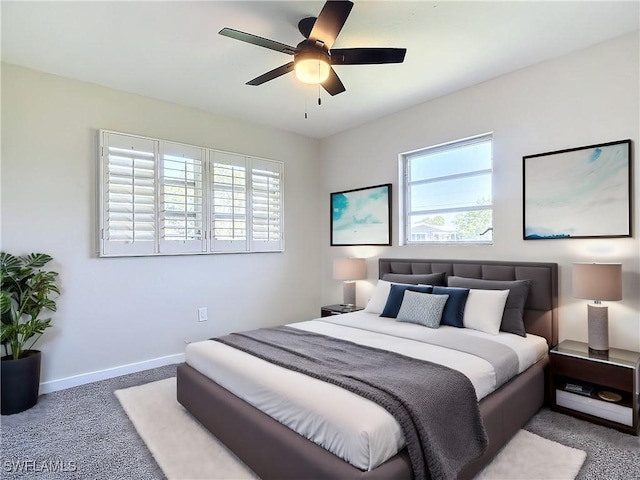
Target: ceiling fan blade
x: 275, y: 73
x: 367, y: 56
x: 333, y: 85
x: 330, y: 21
x: 255, y: 40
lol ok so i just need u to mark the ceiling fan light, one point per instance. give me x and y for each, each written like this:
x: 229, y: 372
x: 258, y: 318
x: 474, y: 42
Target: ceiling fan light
x: 312, y: 70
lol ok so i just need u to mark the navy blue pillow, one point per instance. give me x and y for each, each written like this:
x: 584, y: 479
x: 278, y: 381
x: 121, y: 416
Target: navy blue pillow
x: 454, y: 308
x: 396, y: 295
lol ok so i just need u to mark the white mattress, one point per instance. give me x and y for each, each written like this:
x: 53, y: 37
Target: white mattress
x: 353, y: 428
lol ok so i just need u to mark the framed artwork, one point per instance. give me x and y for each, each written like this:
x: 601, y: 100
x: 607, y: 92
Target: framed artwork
x: 361, y: 216
x: 582, y: 192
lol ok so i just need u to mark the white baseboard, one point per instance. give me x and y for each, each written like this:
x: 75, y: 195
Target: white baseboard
x: 68, y: 382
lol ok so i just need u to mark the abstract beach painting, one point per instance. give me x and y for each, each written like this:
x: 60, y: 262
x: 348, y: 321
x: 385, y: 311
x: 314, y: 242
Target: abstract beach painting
x: 361, y: 216
x: 581, y: 192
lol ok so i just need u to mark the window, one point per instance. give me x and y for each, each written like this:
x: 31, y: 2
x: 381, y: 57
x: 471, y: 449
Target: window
x: 447, y: 194
x: 161, y: 198
x: 182, y: 227
x: 266, y: 204
x: 229, y: 202
x: 129, y: 191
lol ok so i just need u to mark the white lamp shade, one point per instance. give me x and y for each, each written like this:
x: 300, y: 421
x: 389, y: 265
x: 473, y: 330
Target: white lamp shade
x: 349, y: 269
x: 597, y: 281
x: 312, y: 71
x: 312, y: 66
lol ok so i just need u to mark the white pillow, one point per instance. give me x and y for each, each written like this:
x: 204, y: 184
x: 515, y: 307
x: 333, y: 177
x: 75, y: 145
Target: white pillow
x: 379, y: 297
x: 483, y: 310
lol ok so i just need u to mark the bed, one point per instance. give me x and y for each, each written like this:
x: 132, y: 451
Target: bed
x: 274, y: 451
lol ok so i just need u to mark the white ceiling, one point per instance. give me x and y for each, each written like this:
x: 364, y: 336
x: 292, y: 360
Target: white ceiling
x: 172, y: 50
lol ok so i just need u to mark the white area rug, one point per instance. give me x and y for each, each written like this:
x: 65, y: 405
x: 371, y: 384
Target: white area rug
x: 186, y: 450
x: 530, y: 457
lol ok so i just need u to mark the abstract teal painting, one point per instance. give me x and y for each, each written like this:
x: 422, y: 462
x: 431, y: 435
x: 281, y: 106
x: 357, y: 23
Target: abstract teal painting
x: 580, y: 192
x: 361, y: 216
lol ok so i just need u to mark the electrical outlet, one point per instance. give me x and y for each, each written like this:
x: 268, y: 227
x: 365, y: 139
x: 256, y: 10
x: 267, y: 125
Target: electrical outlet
x: 202, y: 314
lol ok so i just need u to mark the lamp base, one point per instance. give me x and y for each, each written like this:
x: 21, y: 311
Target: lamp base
x: 601, y: 354
x: 349, y: 293
x: 598, y: 321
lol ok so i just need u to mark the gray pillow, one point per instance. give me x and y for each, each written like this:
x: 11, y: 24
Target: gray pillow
x: 422, y: 308
x: 426, y: 278
x: 512, y: 320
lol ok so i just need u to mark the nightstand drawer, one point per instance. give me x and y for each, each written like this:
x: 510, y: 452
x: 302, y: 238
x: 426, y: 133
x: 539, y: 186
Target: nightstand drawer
x: 597, y: 408
x: 606, y: 374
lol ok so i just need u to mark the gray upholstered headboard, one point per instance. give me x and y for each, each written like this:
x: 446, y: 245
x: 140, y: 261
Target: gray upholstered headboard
x: 541, y: 309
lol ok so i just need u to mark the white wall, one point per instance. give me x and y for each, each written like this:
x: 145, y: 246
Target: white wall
x: 584, y: 98
x: 117, y: 311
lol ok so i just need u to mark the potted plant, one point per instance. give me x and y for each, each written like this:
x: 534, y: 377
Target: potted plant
x: 25, y: 292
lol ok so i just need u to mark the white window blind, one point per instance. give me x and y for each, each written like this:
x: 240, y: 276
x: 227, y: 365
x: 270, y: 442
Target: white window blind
x: 182, y: 220
x: 129, y: 195
x: 448, y: 192
x: 163, y: 198
x: 266, y: 205
x: 229, y: 202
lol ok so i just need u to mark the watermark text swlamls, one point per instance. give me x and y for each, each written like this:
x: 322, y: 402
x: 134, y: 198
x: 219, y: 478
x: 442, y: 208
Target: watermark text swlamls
x: 37, y: 466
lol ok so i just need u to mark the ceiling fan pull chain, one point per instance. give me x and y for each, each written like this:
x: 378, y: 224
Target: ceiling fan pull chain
x: 319, y: 100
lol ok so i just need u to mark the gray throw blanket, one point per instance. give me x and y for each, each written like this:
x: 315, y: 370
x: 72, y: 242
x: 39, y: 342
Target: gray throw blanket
x: 435, y: 406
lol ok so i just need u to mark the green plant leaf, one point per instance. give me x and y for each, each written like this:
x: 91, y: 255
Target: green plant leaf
x: 36, y: 260
x: 7, y: 331
x: 5, y: 302
x: 48, y: 304
x: 9, y: 263
x: 26, y: 291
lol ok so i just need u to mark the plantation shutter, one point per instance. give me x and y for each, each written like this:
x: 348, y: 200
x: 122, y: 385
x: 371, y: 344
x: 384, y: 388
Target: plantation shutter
x: 266, y: 205
x: 128, y: 195
x: 228, y: 202
x: 182, y: 215
x: 158, y: 197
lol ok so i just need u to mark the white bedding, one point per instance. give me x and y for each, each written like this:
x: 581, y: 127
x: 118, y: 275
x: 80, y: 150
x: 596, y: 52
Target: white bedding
x: 353, y: 428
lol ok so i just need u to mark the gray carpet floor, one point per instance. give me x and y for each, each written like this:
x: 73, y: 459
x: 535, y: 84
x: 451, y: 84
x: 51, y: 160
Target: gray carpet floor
x: 84, y: 432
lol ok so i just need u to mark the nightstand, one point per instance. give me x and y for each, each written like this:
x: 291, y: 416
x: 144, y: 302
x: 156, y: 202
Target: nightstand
x: 338, y: 309
x: 602, y: 389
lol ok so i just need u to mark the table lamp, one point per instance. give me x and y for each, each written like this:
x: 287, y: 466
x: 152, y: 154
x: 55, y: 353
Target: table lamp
x: 597, y: 282
x: 349, y: 270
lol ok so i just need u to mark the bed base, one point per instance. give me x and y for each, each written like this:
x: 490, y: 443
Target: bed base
x: 273, y: 451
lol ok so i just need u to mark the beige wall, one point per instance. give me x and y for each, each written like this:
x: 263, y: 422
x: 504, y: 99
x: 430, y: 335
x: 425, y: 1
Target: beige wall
x: 118, y: 311
x: 584, y: 98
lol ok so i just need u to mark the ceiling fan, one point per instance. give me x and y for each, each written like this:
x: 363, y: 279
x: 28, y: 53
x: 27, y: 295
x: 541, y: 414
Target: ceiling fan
x: 313, y: 57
